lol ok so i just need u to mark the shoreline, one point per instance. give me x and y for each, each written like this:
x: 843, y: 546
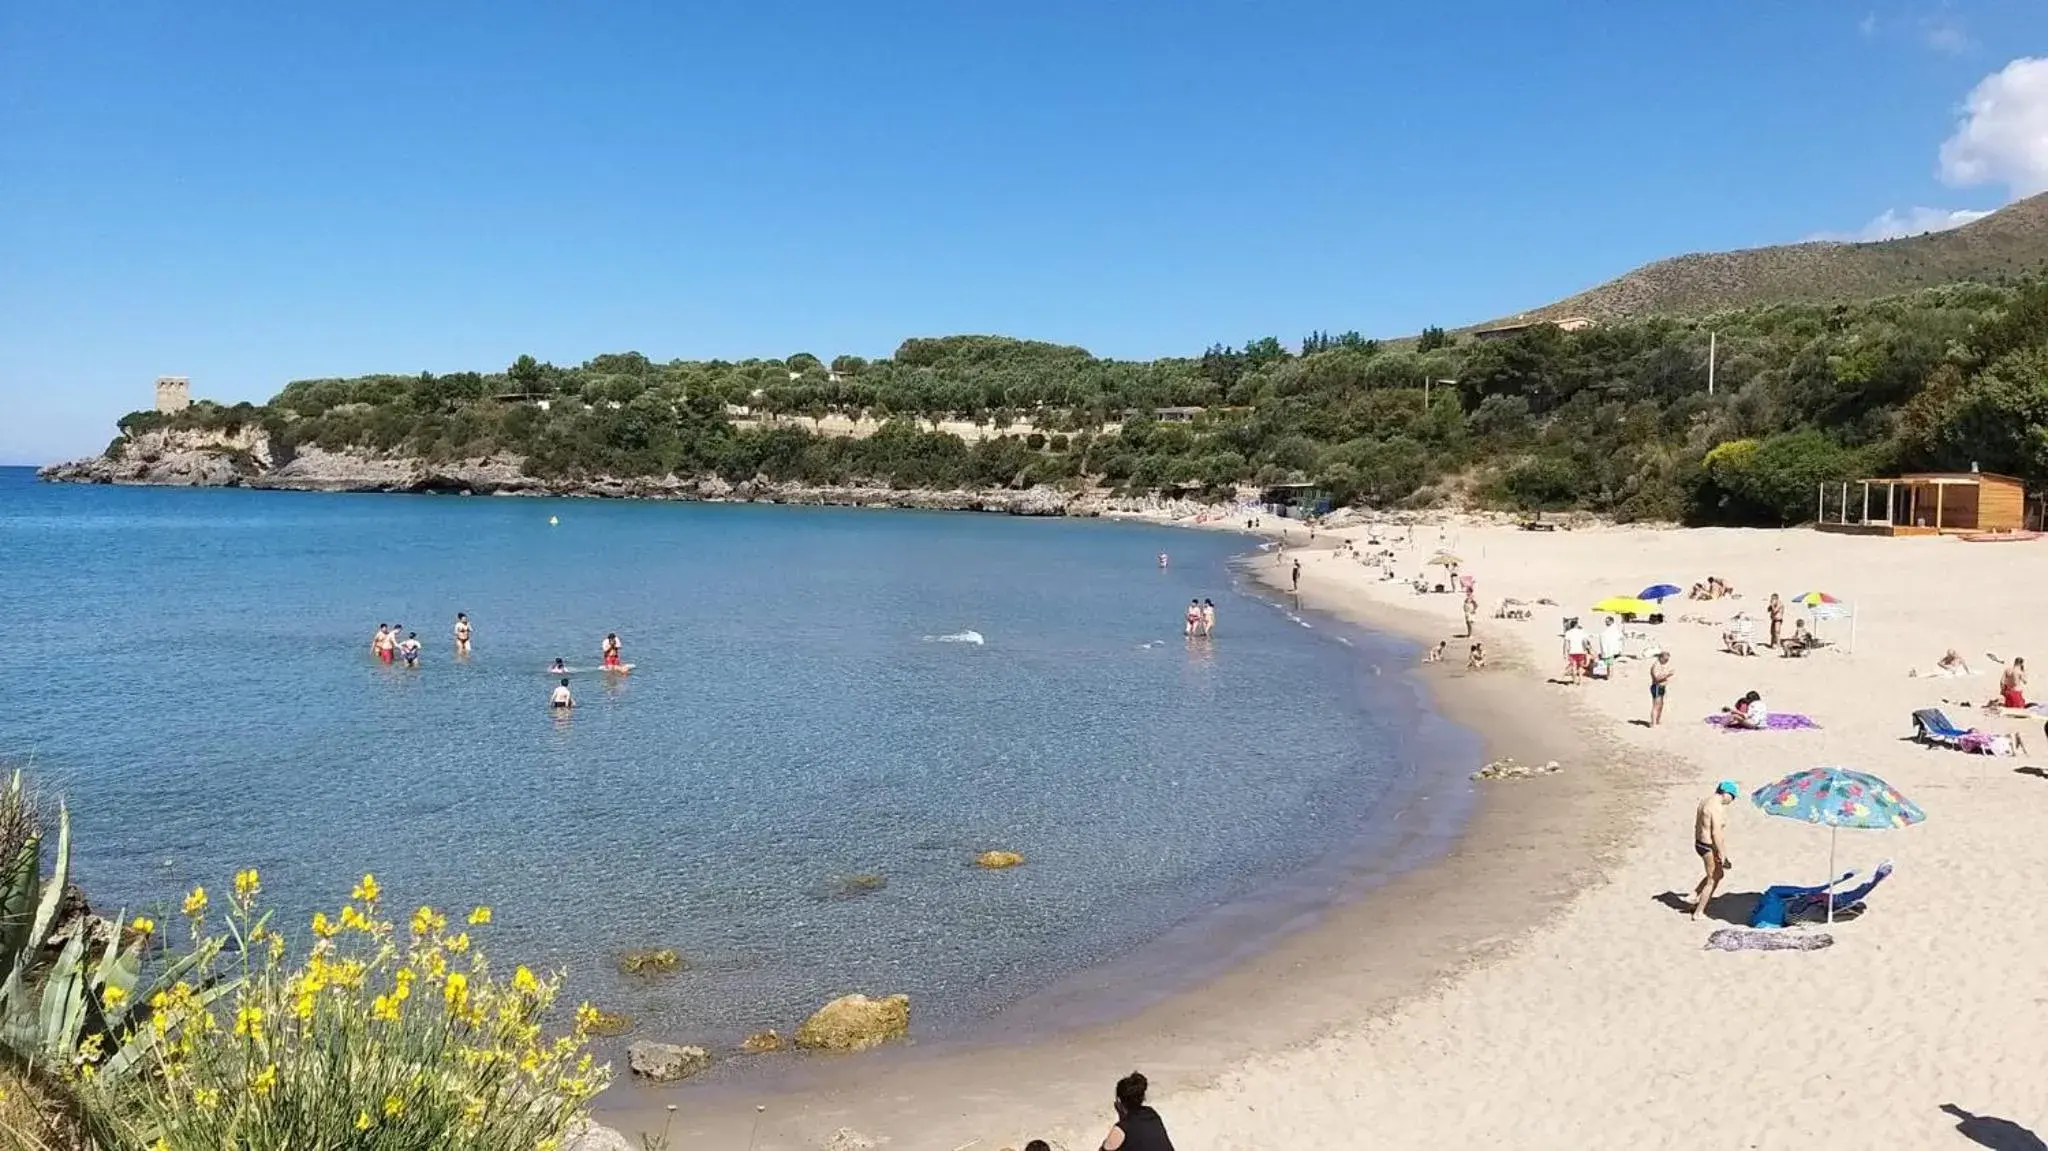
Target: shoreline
x: 1358, y: 958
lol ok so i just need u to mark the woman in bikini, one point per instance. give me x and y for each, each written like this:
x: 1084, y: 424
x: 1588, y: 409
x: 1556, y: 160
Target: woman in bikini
x: 610, y: 649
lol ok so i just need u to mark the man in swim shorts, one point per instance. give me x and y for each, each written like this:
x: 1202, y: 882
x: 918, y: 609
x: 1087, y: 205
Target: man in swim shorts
x: 1660, y: 675
x: 562, y: 700
x: 1710, y: 842
x: 382, y: 645
x: 461, y: 633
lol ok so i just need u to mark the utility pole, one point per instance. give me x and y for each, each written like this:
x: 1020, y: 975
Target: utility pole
x: 1713, y: 340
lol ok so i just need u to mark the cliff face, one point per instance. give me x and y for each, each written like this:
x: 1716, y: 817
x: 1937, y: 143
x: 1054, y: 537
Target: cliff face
x: 213, y: 459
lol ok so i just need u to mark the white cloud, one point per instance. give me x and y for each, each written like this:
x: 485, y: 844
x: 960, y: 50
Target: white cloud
x: 1911, y: 222
x: 2003, y: 136
x: 1868, y: 25
x: 1946, y: 37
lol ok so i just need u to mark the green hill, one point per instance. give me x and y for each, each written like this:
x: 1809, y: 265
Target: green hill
x: 2005, y: 245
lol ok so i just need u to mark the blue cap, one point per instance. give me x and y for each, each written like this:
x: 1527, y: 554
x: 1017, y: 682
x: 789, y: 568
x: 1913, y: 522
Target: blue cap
x: 1728, y: 786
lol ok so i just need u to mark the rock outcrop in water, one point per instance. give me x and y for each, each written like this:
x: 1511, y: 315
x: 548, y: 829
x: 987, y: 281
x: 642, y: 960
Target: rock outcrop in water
x: 184, y: 458
x: 998, y: 860
x: 855, y: 1023
x: 666, y: 1062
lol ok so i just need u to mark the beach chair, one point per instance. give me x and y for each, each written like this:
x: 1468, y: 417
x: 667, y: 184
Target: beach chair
x: 1740, y: 638
x: 1933, y: 727
x: 1782, y: 904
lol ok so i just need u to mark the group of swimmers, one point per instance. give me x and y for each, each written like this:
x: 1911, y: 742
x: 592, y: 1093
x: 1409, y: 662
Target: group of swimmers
x: 1201, y: 618
x: 392, y: 643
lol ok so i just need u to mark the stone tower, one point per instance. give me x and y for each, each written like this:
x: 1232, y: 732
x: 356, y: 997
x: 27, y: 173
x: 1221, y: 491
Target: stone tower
x: 173, y: 393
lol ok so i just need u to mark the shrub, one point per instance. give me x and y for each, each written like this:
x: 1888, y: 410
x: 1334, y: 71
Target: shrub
x: 371, y: 1040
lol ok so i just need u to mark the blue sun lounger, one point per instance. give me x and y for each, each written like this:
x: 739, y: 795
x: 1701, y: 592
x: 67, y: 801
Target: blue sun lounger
x: 1785, y: 903
x: 1932, y: 725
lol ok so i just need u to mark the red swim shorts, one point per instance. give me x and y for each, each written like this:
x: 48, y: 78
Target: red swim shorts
x: 2015, y: 699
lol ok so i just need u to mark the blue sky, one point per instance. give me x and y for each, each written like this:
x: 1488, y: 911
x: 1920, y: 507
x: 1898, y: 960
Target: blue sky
x: 250, y: 193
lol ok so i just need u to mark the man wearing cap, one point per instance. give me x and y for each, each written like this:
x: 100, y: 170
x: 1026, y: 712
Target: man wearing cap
x: 1710, y: 840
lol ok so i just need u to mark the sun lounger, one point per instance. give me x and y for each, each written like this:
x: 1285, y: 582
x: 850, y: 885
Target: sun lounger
x: 1932, y: 726
x: 1787, y: 903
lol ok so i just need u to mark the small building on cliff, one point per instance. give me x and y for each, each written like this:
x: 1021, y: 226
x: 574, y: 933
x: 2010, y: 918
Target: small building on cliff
x: 173, y: 393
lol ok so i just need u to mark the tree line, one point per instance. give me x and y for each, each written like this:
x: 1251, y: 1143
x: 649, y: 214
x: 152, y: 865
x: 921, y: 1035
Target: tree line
x: 1616, y: 419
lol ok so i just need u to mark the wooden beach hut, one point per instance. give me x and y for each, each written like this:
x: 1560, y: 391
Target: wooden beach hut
x: 1924, y: 504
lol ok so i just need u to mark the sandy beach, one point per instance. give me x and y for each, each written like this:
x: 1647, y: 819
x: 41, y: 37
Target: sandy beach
x: 1538, y: 987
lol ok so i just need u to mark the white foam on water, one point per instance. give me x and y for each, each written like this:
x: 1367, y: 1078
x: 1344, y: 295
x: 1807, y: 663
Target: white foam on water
x: 969, y: 636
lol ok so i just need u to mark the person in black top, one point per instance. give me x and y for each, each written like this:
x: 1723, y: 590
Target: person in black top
x: 1137, y: 1127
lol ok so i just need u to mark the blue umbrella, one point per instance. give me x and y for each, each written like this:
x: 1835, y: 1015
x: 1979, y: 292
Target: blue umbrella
x: 1659, y: 592
x: 1836, y: 797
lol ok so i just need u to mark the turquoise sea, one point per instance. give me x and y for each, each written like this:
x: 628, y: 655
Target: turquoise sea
x: 190, y: 669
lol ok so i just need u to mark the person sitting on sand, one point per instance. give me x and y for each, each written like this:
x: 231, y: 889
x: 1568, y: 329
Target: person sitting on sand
x: 1749, y: 711
x: 562, y: 700
x: 1436, y: 654
x: 1710, y: 841
x: 1801, y: 641
x: 1953, y: 664
x: 1137, y: 1127
x: 1699, y: 591
x: 1476, y: 660
x: 2012, y: 684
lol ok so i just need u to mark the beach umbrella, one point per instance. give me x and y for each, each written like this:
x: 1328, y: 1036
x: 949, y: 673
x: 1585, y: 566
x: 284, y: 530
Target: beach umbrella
x: 1445, y: 559
x: 1659, y: 591
x: 1624, y: 605
x: 1836, y: 797
x: 1822, y: 606
x: 1813, y: 598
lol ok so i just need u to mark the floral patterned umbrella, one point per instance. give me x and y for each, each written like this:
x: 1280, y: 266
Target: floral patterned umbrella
x: 1836, y: 797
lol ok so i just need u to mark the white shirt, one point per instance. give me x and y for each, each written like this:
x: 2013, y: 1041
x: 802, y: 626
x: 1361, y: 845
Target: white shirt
x: 1610, y: 643
x: 562, y: 696
x: 1576, y: 641
x: 1759, y: 715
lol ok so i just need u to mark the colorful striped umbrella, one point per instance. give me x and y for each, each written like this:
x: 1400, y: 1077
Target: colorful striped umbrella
x: 1813, y: 598
x: 1836, y: 797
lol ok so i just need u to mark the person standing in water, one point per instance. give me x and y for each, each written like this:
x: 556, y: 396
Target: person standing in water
x: 386, y: 644
x: 1193, y: 625
x: 461, y: 634
x: 1208, y: 617
x: 562, y: 700
x: 409, y: 649
x: 1137, y: 1127
x: 610, y: 648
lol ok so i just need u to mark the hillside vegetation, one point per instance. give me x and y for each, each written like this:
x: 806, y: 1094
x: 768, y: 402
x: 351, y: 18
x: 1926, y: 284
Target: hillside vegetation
x: 2008, y: 244
x: 1615, y: 419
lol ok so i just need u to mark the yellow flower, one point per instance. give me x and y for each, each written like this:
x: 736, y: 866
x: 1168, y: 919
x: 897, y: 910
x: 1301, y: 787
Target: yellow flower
x: 247, y: 884
x: 353, y: 920
x: 265, y: 1080
x: 363, y: 1121
x: 427, y: 921
x: 457, y: 991
x: 367, y: 890
x: 385, y: 1007
x: 524, y: 982
x: 195, y: 903
x: 322, y: 926
x: 480, y: 916
x: 207, y: 1098
x: 459, y: 944
x: 112, y: 996
x: 249, y: 1022
x: 393, y: 1106
x: 161, y: 1144
x: 142, y: 924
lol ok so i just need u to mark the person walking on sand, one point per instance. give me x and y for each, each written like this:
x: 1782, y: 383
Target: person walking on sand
x: 1776, y: 609
x: 1137, y: 1127
x: 1578, y: 650
x: 561, y: 700
x: 1710, y: 842
x: 1660, y: 680
x: 461, y: 634
x: 1471, y: 613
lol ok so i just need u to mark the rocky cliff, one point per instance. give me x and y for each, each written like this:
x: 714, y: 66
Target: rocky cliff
x: 245, y: 459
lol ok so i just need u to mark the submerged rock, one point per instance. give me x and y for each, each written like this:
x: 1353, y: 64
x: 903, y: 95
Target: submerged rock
x: 855, y: 1023
x: 588, y: 1136
x: 650, y: 961
x: 666, y: 1062
x: 607, y: 1024
x: 762, y: 1042
x: 997, y: 860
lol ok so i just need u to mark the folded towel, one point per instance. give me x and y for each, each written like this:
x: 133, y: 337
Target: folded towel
x: 1776, y: 721
x: 1754, y: 939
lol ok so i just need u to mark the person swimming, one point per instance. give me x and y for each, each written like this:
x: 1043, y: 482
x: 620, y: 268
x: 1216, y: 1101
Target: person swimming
x: 562, y: 700
x: 558, y: 667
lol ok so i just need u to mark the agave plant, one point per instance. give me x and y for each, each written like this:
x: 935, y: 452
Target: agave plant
x: 78, y: 1010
